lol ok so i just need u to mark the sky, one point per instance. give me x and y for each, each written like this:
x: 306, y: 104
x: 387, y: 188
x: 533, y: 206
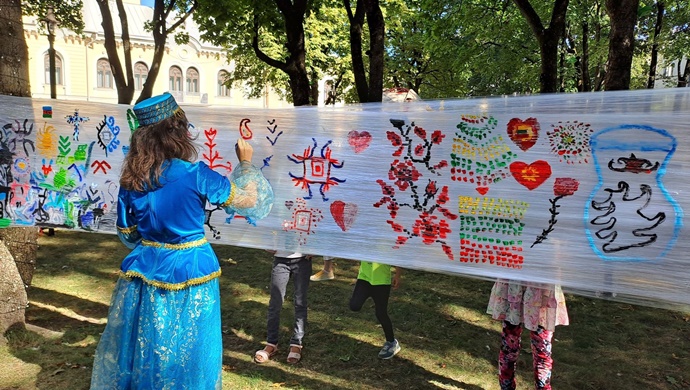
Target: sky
x: 148, y: 3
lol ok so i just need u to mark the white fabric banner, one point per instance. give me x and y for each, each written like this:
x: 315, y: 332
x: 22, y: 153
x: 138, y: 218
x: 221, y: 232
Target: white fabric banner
x: 583, y: 190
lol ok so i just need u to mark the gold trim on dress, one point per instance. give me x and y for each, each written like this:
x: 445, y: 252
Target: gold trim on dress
x: 231, y: 197
x: 127, y: 230
x: 184, y: 245
x: 170, y: 286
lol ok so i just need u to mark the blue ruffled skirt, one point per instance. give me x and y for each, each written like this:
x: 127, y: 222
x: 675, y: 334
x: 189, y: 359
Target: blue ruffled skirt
x: 160, y: 339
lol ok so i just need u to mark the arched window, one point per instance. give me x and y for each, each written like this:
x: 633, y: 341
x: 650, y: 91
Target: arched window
x: 141, y: 71
x: 223, y: 89
x: 58, y: 69
x: 175, y: 79
x: 192, y: 81
x: 104, y: 76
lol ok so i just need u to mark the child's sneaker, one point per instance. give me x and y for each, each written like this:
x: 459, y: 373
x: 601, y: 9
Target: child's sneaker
x: 390, y: 349
x: 321, y: 276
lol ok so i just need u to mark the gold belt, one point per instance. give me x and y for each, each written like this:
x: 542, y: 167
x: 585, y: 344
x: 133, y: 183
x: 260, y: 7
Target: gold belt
x: 184, y: 245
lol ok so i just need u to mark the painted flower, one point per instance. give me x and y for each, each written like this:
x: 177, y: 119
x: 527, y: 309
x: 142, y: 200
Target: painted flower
x: 419, y: 150
x: 403, y: 173
x: 437, y: 137
x: 396, y: 141
x: 565, y: 186
x: 430, y: 228
x: 431, y: 189
x: 420, y: 132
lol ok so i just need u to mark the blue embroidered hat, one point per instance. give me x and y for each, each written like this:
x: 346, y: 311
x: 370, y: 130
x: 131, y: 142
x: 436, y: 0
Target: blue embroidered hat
x: 155, y: 109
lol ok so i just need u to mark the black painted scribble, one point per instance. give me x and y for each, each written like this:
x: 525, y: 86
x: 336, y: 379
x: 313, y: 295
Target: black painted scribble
x: 607, y: 219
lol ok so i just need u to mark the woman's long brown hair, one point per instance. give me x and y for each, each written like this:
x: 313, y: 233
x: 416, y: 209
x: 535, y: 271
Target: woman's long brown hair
x: 151, y: 146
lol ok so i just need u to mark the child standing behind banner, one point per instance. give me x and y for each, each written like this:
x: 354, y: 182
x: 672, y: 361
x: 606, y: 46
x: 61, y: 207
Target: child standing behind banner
x: 374, y: 280
x: 537, y: 307
x: 286, y: 265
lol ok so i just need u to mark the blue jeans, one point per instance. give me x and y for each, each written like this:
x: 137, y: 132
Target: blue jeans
x: 283, y: 269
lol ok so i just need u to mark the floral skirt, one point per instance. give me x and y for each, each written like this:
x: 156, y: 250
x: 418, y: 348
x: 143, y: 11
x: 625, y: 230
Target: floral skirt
x: 160, y: 339
x: 530, y: 304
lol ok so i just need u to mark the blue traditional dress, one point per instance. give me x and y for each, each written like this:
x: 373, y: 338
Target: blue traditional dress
x: 163, y: 328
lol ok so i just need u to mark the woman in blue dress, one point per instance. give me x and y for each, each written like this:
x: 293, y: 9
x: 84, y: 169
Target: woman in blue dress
x: 163, y: 328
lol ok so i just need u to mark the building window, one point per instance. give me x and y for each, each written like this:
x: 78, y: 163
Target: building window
x: 192, y: 81
x: 223, y: 89
x: 104, y: 74
x: 58, y: 69
x: 141, y: 71
x: 175, y: 78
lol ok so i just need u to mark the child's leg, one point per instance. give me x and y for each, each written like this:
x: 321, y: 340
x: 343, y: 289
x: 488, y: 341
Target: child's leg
x: 301, y: 270
x: 508, y: 356
x: 360, y: 294
x: 541, y: 356
x: 280, y: 275
x: 380, y: 295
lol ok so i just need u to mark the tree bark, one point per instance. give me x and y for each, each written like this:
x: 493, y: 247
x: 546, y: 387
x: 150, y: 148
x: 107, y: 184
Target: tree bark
x: 295, y: 65
x: 548, y: 39
x: 14, y: 54
x: 14, y: 299
x: 586, y: 82
x: 161, y: 11
x: 655, y: 44
x: 684, y: 75
x: 14, y: 80
x: 124, y: 86
x: 377, y: 36
x: 623, y: 16
x: 356, y: 49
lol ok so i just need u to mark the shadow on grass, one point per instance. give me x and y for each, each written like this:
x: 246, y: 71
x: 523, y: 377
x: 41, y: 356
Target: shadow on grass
x: 448, y: 342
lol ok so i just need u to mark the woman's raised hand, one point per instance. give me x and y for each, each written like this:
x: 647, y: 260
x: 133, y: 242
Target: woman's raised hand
x: 244, y: 150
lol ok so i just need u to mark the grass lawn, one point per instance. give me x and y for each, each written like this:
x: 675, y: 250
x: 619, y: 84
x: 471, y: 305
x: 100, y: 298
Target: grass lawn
x: 448, y: 342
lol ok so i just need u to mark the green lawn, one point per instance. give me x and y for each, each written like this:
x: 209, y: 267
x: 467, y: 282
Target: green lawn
x: 448, y: 342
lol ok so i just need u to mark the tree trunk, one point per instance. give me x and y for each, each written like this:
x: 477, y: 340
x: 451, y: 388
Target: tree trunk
x: 655, y: 44
x: 297, y: 64
x: 14, y: 54
x: 356, y: 49
x: 548, y: 39
x: 18, y: 246
x: 14, y: 80
x: 586, y: 82
x: 623, y: 16
x: 159, y: 39
x: 377, y: 36
x: 22, y: 242
x: 14, y: 299
x: 684, y: 75
x: 124, y: 86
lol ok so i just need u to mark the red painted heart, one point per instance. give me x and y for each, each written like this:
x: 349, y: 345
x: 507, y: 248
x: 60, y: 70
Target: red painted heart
x: 523, y: 133
x: 344, y: 214
x: 531, y: 175
x: 359, y: 141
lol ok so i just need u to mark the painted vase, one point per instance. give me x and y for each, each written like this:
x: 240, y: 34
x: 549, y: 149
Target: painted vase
x: 630, y: 216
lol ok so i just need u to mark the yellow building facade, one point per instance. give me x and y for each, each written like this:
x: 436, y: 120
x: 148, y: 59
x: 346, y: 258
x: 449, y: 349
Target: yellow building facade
x: 193, y: 73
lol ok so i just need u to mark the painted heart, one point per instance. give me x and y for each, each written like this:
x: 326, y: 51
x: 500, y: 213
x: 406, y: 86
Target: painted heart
x: 343, y: 214
x: 523, y: 133
x: 530, y: 175
x: 289, y: 204
x: 482, y: 190
x: 359, y: 141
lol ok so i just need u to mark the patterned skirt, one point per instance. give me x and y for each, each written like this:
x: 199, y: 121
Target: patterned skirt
x: 530, y: 304
x: 160, y: 339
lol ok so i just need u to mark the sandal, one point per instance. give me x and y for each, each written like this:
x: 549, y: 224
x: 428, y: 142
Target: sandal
x: 295, y: 354
x: 264, y: 355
